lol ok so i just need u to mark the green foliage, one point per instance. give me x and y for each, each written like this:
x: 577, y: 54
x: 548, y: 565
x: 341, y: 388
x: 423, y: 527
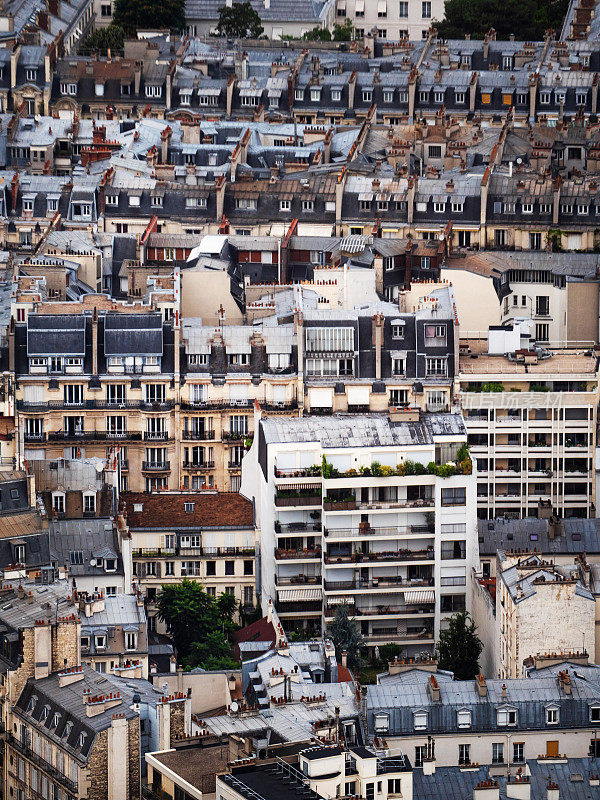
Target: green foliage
x: 317, y: 35
x: 345, y: 634
x: 527, y: 19
x: 492, y: 387
x: 134, y: 15
x: 538, y: 387
x: 102, y: 40
x: 389, y: 652
x: 463, y: 452
x: 459, y: 647
x: 446, y: 470
x: 343, y: 33
x: 199, y: 624
x: 327, y: 470
x: 213, y: 652
x: 240, y: 21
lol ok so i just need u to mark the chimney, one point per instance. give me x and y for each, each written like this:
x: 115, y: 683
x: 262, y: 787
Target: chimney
x: 68, y: 676
x: 220, y: 191
x: 165, y: 141
x: 504, y: 691
x: 518, y: 787
x: 552, y: 791
x: 486, y: 790
x: 433, y: 689
x: 344, y: 659
x: 429, y: 757
x: 95, y: 342
x: 377, y: 329
x: 481, y: 685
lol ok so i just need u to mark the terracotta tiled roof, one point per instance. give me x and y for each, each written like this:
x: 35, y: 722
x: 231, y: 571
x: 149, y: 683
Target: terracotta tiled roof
x: 167, y: 510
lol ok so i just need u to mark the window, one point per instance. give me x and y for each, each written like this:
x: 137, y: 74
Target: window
x: 89, y: 503
x: 552, y: 716
x: 583, y: 209
x: 456, y: 496
x: 398, y: 366
x: 545, y: 208
x: 595, y: 714
x: 518, y: 752
x: 336, y: 95
x: 397, y: 331
x: 566, y: 208
x: 419, y: 755
x: 130, y: 640
x: 403, y: 9
x: 285, y: 205
x: 507, y: 62
x: 73, y: 394
x: 245, y: 203
x: 535, y: 241
x: 542, y: 306
x: 100, y: 641
x: 464, y: 753
x: 299, y: 94
x: 457, y: 207
x: 435, y: 366
x: 426, y: 9
x: 459, y: 97
x: 498, y: 753
x: 542, y: 332
x: 364, y: 205
x: 439, y: 208
x: 420, y: 720
x: 453, y: 550
x: 58, y: 502
x: 506, y: 716
x: 545, y: 98
x: 367, y: 95
x: 153, y: 91
x: 388, y: 96
x: 581, y: 98
x: 308, y: 205
x: 438, y: 97
x: 463, y: 719
x: 106, y: 10
x: 527, y: 208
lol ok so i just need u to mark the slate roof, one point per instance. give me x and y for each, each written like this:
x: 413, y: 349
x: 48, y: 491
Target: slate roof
x: 87, y: 537
x: 579, y: 536
x: 50, y: 335
x: 366, y: 430
x: 279, y: 10
x: 133, y: 334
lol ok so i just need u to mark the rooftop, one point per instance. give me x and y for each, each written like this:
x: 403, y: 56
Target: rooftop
x: 180, y: 510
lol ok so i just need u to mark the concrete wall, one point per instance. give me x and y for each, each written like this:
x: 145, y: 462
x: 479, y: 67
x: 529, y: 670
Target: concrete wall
x: 582, y: 312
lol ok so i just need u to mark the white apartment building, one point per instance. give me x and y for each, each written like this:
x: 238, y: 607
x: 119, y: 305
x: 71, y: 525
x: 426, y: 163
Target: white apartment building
x: 531, y: 424
x: 393, y: 19
x: 352, y: 511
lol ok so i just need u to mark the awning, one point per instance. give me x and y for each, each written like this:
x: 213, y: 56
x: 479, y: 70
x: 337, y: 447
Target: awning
x: 359, y: 6
x: 251, y: 92
x: 336, y: 601
x: 382, y: 7
x: 291, y: 595
x: 206, y: 91
x: 321, y: 398
x: 358, y: 395
x: 398, y: 322
x: 419, y: 596
x: 365, y: 196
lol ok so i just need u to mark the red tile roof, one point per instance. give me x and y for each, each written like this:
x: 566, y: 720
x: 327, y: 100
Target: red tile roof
x: 260, y: 631
x: 344, y: 674
x: 166, y: 510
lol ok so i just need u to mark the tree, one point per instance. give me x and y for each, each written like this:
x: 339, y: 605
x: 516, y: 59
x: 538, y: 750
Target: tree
x: 239, y: 21
x: 388, y: 652
x: 343, y: 33
x: 133, y: 15
x: 193, y: 619
x: 346, y: 635
x: 103, y: 40
x: 459, y: 647
x: 527, y: 19
x: 214, y: 652
x: 317, y: 35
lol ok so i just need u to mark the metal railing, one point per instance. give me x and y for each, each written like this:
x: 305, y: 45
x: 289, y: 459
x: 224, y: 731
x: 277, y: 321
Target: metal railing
x: 156, y: 466
x: 44, y: 765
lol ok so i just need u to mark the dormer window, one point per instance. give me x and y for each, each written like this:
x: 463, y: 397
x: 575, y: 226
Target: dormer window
x: 99, y: 89
x: 238, y: 359
x: 32, y: 703
x: 55, y: 720
x: 506, y: 717
x: 189, y: 507
x: 110, y: 564
x: 100, y: 641
x: 68, y: 729
x: 44, y: 714
x: 82, y: 738
x: 420, y: 720
x: 31, y: 74
x: 552, y: 715
x: 299, y: 94
x: 112, y: 199
x: 463, y: 718
x: 382, y: 723
x: 153, y: 91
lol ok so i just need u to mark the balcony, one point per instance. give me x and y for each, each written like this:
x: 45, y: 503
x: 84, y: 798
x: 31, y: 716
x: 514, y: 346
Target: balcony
x: 384, y: 555
x: 307, y: 472
x: 35, y: 437
x: 302, y: 496
x: 234, y: 436
x: 198, y: 436
x: 158, y: 405
x: 156, y: 466
x: 91, y: 436
x: 41, y: 763
x: 234, y: 465
x: 290, y: 405
x: 340, y: 505
x: 203, y: 405
x: 368, y: 532
x: 298, y: 606
x: 198, y: 465
x: 386, y: 581
x: 298, y: 580
x: 284, y: 555
x: 156, y: 436
x: 297, y: 527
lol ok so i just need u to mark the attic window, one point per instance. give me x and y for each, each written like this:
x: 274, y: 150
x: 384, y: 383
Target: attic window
x: 189, y: 507
x: 76, y: 557
x: 32, y: 703
x: 82, y: 738
x: 68, y: 729
x: 382, y: 723
x: 45, y: 712
x: 55, y: 720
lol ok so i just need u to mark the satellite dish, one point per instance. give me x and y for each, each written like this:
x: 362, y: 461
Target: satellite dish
x: 234, y: 707
x: 519, y: 160
x: 441, y: 237
x: 92, y: 562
